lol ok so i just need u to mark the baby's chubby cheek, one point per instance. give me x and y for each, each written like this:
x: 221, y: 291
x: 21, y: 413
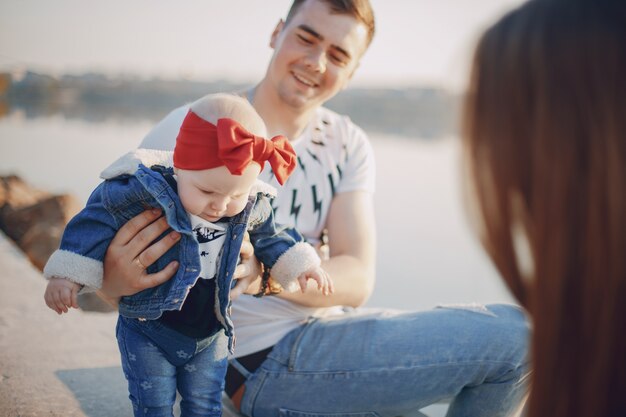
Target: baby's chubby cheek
x: 190, y: 204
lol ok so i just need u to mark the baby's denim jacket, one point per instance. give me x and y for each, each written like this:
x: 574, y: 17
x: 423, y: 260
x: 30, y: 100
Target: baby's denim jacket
x: 124, y: 195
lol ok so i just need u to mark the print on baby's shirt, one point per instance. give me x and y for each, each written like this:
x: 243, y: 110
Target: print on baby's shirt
x: 210, y: 237
x: 205, y: 235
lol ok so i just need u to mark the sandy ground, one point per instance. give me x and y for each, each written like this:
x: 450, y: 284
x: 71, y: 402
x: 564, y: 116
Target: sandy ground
x: 53, y: 365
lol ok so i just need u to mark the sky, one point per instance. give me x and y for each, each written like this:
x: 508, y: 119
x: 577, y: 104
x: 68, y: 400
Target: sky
x: 418, y: 42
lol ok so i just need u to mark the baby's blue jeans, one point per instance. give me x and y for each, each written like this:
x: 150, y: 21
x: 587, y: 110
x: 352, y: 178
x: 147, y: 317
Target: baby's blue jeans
x: 393, y: 364
x: 157, y: 361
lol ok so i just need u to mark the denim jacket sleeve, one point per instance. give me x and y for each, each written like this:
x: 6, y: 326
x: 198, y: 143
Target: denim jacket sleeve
x: 281, y: 248
x: 84, y: 244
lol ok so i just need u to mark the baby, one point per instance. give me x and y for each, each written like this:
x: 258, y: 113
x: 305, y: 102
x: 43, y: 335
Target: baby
x: 177, y: 336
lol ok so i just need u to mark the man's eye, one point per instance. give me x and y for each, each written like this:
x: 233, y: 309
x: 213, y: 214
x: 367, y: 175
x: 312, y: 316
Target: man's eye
x: 305, y: 40
x: 338, y: 59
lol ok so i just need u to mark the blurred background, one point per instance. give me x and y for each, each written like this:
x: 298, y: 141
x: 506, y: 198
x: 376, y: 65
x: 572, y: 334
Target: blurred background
x: 82, y: 82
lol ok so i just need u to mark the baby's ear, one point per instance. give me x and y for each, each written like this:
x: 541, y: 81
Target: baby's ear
x: 175, y: 170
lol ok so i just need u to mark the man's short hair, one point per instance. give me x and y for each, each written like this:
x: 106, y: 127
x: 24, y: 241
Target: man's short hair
x: 361, y: 10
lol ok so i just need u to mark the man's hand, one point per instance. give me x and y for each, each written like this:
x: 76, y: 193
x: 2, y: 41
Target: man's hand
x: 61, y: 294
x: 131, y: 251
x: 247, y: 272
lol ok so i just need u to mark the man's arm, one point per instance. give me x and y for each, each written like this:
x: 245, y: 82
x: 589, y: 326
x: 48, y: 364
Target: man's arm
x: 352, y: 236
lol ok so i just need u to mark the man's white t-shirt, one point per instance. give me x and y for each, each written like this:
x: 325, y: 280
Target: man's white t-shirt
x: 334, y: 156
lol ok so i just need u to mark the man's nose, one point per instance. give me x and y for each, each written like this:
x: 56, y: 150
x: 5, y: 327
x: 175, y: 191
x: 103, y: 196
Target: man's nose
x: 316, y: 60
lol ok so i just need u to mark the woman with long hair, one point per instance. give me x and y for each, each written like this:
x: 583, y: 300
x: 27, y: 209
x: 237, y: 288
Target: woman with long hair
x: 545, y: 149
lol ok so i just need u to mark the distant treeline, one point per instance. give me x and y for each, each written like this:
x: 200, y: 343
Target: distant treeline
x: 425, y: 113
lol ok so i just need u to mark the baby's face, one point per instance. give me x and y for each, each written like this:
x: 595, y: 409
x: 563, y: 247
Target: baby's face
x: 215, y: 193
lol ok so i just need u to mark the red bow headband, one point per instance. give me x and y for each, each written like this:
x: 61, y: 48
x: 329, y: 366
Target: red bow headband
x: 203, y: 145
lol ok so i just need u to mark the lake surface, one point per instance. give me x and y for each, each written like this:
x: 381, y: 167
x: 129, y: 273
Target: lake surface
x: 426, y: 252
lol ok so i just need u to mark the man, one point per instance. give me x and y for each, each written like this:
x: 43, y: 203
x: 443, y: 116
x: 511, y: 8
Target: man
x: 308, y: 354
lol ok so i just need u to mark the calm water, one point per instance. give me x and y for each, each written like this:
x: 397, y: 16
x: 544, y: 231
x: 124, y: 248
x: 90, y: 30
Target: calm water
x: 426, y: 253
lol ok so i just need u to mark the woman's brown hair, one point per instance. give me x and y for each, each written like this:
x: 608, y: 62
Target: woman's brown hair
x: 545, y: 150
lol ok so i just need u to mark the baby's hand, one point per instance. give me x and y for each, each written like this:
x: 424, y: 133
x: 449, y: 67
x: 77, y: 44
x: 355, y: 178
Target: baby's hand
x: 324, y: 283
x: 61, y: 294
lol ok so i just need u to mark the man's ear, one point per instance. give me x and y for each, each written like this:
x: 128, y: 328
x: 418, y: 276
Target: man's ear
x: 279, y: 27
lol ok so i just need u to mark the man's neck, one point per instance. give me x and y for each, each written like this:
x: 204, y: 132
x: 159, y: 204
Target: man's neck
x: 279, y: 118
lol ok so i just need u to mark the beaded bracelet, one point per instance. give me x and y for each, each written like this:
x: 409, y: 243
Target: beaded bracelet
x: 267, y: 287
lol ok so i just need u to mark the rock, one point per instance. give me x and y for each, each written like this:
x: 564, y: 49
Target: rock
x: 50, y: 211
x: 15, y: 193
x: 37, y: 228
x: 35, y: 220
x: 39, y: 241
x: 91, y: 302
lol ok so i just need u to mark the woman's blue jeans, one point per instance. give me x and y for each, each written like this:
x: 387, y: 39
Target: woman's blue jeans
x: 157, y: 361
x: 391, y: 364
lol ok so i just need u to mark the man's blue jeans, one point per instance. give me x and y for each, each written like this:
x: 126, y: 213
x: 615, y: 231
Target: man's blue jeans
x: 157, y: 361
x: 390, y: 364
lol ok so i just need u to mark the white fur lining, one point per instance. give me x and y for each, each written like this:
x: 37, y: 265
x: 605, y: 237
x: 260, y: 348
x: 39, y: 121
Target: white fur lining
x: 263, y: 187
x: 129, y: 163
x: 299, y: 258
x: 76, y: 268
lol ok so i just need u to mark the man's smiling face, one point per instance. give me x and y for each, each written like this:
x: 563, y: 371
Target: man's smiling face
x: 315, y: 54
